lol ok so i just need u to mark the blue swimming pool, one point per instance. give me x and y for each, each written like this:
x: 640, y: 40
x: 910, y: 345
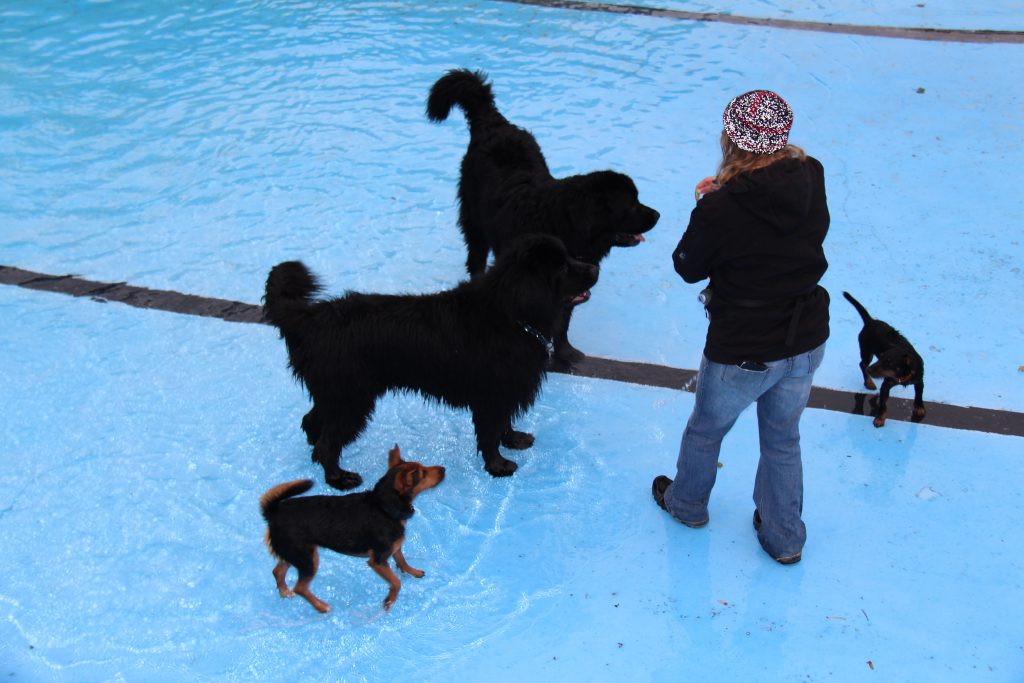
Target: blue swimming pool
x: 190, y: 147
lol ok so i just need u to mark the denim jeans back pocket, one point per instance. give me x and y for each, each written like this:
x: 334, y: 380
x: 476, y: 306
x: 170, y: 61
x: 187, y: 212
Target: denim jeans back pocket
x: 746, y: 381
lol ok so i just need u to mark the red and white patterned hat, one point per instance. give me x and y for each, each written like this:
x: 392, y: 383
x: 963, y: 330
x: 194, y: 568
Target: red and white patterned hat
x: 758, y: 121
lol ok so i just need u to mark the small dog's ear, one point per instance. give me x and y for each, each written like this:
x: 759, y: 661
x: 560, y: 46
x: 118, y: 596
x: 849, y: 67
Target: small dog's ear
x: 394, y: 457
x: 407, y: 479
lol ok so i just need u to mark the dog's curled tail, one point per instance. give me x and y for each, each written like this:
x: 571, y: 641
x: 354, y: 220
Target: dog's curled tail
x: 865, y: 316
x: 273, y: 496
x: 467, y: 89
x: 291, y: 288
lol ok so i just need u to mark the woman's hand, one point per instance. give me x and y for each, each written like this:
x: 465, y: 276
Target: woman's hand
x: 709, y: 184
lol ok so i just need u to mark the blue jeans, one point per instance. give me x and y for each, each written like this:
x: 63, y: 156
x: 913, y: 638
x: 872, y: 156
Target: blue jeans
x: 723, y: 392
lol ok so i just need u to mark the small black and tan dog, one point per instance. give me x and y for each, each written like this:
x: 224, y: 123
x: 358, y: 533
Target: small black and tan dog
x: 898, y: 362
x: 366, y: 524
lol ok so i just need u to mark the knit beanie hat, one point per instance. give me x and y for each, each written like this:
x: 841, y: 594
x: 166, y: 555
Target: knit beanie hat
x: 758, y: 121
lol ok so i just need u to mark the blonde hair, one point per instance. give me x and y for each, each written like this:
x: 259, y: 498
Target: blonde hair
x: 736, y: 161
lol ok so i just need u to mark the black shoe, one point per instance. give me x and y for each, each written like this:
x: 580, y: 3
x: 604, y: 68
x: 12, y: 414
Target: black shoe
x: 658, y: 486
x: 788, y: 559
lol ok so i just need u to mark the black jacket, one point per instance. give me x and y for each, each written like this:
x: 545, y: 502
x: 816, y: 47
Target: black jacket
x: 759, y: 238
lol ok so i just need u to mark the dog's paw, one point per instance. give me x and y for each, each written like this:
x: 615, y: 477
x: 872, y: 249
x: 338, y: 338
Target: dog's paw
x: 869, y: 384
x: 918, y: 414
x: 879, y: 421
x: 417, y: 573
x: 344, y: 480
x: 501, y: 467
x: 517, y: 440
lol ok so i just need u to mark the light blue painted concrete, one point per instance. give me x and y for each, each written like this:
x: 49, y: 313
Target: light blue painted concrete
x: 192, y: 148
x: 133, y: 546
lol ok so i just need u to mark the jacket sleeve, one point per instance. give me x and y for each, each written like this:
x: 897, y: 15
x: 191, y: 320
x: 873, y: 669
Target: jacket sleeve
x: 693, y: 255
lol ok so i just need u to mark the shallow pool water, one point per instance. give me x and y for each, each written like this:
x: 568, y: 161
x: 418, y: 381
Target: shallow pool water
x: 190, y: 147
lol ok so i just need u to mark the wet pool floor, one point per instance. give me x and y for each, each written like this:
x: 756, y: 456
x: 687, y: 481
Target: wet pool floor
x: 189, y: 149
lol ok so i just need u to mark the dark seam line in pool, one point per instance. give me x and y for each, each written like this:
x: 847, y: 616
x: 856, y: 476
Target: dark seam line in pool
x: 932, y: 34
x: 647, y: 374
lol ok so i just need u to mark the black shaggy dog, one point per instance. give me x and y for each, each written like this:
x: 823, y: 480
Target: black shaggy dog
x: 483, y: 345
x: 506, y: 190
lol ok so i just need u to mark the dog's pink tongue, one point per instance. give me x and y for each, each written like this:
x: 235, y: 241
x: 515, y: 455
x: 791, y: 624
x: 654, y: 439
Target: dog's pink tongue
x: 639, y: 238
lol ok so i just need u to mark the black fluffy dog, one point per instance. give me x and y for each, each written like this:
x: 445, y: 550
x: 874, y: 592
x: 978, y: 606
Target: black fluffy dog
x: 506, y: 190
x: 483, y: 345
x: 898, y: 362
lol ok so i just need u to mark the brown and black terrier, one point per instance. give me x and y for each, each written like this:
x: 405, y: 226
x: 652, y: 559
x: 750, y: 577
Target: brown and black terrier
x: 366, y: 524
x: 898, y: 362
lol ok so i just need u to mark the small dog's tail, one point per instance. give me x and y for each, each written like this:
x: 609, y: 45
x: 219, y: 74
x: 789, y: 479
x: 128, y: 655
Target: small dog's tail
x: 865, y: 316
x: 270, y: 499
x: 291, y: 288
x: 469, y: 90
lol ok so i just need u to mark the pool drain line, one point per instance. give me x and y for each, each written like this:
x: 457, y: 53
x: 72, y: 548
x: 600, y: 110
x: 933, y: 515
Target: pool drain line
x: 931, y: 34
x: 646, y: 374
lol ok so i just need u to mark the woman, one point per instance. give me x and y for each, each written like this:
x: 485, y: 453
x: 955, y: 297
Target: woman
x: 757, y: 233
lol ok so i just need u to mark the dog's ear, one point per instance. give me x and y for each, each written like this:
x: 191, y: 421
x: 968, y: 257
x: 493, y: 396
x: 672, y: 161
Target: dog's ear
x: 595, y: 206
x: 543, y: 253
x: 582, y: 210
x: 407, y: 479
x: 389, y: 497
x: 525, y: 281
x: 394, y: 457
